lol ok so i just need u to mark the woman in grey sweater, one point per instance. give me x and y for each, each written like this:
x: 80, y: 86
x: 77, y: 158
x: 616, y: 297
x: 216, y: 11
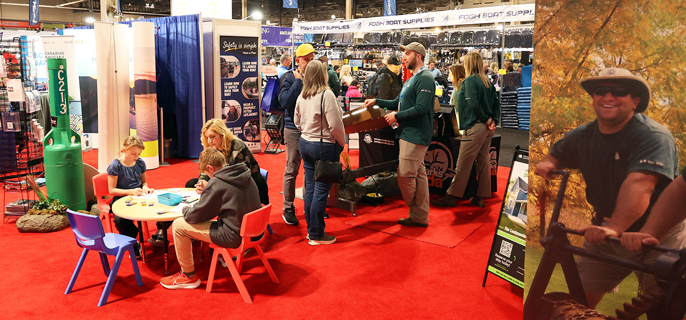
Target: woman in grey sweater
x: 320, y: 120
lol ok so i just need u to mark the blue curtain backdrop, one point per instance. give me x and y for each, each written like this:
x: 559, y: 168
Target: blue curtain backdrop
x: 179, y: 86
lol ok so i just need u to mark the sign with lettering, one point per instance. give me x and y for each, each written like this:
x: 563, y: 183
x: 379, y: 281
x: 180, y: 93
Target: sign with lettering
x: 506, y: 259
x: 522, y: 12
x: 57, y: 77
x: 33, y: 12
x: 276, y: 36
x: 240, y: 88
x: 389, y: 8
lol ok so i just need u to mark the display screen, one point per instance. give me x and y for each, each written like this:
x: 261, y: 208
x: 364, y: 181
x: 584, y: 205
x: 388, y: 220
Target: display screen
x: 355, y: 63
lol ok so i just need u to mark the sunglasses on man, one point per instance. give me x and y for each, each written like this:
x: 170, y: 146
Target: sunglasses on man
x: 615, y: 91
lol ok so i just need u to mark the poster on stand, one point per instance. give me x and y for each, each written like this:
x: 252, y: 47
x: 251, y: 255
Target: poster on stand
x: 506, y: 259
x: 240, y: 88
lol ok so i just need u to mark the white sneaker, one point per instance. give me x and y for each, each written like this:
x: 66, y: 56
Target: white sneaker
x: 327, y: 239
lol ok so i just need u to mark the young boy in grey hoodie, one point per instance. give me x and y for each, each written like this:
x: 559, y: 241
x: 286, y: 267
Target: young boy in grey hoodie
x: 230, y: 194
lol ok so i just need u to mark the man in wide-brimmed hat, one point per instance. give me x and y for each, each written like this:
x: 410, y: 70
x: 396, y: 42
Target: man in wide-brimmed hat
x: 626, y: 159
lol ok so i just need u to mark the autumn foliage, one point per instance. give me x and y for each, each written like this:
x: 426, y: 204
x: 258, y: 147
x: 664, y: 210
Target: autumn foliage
x: 575, y: 39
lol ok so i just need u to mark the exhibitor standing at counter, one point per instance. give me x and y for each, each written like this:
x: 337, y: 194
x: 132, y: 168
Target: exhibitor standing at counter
x: 414, y: 119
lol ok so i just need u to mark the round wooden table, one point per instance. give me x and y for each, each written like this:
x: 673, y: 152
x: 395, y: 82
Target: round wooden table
x: 138, y: 212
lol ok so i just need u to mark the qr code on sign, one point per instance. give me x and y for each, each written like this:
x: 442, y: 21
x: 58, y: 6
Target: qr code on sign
x: 506, y: 248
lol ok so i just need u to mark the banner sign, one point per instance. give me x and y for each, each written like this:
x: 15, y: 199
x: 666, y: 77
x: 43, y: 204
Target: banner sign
x: 87, y: 72
x: 298, y: 38
x: 290, y: 4
x: 276, y: 36
x: 33, y: 12
x: 389, y: 8
x: 218, y: 9
x: 18, y: 24
x: 522, y: 12
x: 240, y: 88
x: 506, y: 259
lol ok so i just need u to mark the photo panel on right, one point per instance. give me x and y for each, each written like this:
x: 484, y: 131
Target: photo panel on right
x: 608, y: 120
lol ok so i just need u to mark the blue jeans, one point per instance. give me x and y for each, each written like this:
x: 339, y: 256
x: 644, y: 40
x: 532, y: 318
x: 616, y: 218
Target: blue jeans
x: 316, y: 193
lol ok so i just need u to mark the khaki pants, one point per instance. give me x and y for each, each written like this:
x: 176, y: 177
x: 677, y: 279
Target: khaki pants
x: 293, y: 160
x: 600, y: 277
x: 184, y: 232
x: 412, y: 180
x: 475, y: 144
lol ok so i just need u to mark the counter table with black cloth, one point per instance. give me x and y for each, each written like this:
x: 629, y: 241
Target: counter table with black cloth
x: 605, y: 160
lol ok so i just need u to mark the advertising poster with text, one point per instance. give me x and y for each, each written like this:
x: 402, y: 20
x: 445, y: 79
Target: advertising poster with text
x: 507, y: 252
x: 240, y: 88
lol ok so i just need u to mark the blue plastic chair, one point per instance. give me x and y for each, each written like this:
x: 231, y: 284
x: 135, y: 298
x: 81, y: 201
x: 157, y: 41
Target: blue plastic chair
x: 90, y: 235
x: 265, y: 173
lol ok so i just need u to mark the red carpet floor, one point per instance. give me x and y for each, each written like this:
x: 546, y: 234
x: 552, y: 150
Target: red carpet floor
x: 366, y: 274
x: 449, y: 226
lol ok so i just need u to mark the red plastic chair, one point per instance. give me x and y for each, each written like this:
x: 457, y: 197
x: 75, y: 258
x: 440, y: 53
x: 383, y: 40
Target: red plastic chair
x: 253, y: 225
x: 101, y: 189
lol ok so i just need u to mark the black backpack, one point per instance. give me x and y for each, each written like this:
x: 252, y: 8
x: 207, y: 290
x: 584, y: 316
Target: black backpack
x: 371, y: 85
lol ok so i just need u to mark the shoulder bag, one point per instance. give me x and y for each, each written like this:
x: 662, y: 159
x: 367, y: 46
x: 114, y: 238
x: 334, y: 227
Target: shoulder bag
x: 326, y: 171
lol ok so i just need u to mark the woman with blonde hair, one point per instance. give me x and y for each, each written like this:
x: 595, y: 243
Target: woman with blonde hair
x: 346, y: 78
x: 479, y: 111
x: 320, y: 120
x: 216, y: 134
x: 126, y: 177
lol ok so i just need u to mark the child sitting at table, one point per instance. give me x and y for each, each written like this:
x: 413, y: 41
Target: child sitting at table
x: 126, y: 177
x: 230, y: 194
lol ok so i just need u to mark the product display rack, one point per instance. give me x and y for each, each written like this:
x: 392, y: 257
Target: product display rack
x: 21, y: 148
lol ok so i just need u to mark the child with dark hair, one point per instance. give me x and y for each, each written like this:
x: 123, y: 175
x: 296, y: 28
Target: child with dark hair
x: 354, y: 90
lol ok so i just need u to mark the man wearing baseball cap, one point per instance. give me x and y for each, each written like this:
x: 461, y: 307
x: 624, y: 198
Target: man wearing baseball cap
x: 627, y: 160
x: 388, y: 82
x: 414, y: 116
x: 291, y: 86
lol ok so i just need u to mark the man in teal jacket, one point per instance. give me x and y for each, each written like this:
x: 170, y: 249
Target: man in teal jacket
x: 334, y: 83
x: 415, y: 121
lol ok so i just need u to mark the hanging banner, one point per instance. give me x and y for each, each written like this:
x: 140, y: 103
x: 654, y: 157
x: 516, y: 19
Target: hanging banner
x: 506, y: 259
x: 522, y: 12
x: 389, y: 8
x: 145, y: 90
x: 87, y: 72
x: 276, y: 36
x: 290, y: 4
x: 33, y: 12
x: 240, y: 88
x: 218, y: 9
x: 112, y: 52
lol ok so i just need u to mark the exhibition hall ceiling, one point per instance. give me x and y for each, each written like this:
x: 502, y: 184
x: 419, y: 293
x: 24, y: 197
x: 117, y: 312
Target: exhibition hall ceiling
x: 310, y: 10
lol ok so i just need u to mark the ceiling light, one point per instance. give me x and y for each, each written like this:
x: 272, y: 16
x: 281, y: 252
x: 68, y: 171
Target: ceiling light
x: 90, y: 19
x: 295, y: 19
x: 333, y: 16
x: 267, y: 21
x: 437, y: 30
